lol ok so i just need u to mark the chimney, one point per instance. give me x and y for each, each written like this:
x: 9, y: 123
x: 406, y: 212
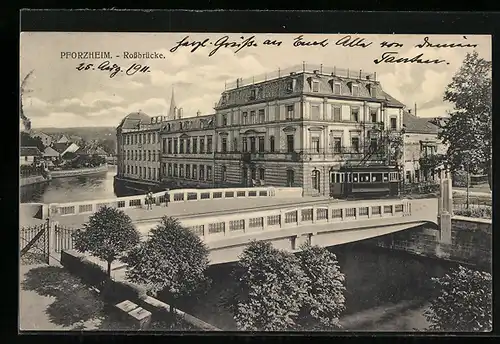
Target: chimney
x: 237, y: 82
x: 198, y: 113
x: 409, y: 111
x: 179, y: 113
x: 415, y: 109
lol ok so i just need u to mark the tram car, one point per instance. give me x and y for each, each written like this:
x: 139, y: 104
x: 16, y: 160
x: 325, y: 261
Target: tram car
x: 356, y: 182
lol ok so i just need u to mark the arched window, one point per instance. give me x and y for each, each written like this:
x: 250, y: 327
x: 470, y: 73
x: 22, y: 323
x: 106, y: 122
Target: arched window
x: 315, y: 178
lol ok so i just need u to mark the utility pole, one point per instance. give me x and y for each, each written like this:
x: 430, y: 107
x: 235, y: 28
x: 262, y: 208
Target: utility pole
x: 468, y: 185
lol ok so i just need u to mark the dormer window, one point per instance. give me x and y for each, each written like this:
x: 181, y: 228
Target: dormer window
x: 315, y: 86
x: 289, y: 86
x: 336, y: 88
x: 180, y: 125
x: 252, y: 94
x: 354, y: 90
x: 260, y: 92
x: 224, y: 120
x: 224, y: 99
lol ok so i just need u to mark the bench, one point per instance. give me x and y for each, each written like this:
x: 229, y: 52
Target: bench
x: 140, y: 317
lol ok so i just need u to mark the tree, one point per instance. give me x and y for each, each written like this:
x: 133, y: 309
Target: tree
x: 271, y: 288
x: 468, y: 131
x: 28, y: 141
x: 464, y: 302
x: 325, y: 301
x: 173, y: 260
x: 107, y: 235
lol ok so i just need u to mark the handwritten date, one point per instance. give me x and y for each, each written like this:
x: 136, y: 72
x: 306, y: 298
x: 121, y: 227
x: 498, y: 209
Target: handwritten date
x: 114, y: 69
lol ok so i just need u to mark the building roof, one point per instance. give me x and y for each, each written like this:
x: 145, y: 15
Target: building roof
x: 91, y: 151
x: 418, y: 125
x: 133, y: 120
x: 50, y: 152
x: 41, y: 134
x: 63, y: 139
x: 30, y: 151
x: 60, y: 147
x: 368, y: 89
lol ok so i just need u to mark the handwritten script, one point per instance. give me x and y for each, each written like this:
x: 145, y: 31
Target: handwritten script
x: 391, y: 55
x: 113, y: 69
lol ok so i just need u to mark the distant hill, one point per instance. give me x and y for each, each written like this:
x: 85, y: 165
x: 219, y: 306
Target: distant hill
x: 86, y: 133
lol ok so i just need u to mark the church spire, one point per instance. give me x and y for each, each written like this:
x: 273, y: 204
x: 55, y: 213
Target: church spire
x: 173, y: 107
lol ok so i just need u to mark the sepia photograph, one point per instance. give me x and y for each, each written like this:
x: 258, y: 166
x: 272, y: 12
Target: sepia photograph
x: 181, y: 181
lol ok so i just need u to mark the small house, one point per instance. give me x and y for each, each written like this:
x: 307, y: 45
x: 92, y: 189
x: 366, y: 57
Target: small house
x: 29, y: 155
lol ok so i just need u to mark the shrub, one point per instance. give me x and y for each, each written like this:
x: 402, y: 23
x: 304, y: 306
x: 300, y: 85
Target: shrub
x: 116, y: 291
x: 477, y: 212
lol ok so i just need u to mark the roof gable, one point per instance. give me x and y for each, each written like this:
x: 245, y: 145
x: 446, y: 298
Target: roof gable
x: 30, y: 151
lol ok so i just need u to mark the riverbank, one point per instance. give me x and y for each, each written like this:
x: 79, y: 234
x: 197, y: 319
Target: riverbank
x: 79, y: 172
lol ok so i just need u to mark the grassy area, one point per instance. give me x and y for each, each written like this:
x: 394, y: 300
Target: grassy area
x: 473, y: 199
x: 53, y: 299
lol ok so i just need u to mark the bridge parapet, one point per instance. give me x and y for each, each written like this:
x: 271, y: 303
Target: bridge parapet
x: 220, y: 227
x: 179, y: 195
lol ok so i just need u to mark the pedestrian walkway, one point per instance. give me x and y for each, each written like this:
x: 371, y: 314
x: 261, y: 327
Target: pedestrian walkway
x: 472, y: 192
x: 201, y: 208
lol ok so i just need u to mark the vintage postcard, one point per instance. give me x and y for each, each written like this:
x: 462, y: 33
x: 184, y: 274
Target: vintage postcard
x: 255, y: 182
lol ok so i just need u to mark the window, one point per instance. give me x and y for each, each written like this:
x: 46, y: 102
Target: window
x: 376, y: 177
x: 373, y: 115
x: 364, y: 177
x: 202, y: 145
x: 223, y: 173
x: 355, y: 144
x: 235, y: 144
x: 209, y: 144
x: 253, y: 173
x: 315, y: 86
x: 373, y: 144
x: 176, y: 170
x: 176, y: 146
x: 252, y: 117
x: 195, y: 145
x: 181, y: 170
x: 355, y: 90
x: 262, y: 116
x: 181, y: 146
x: 149, y: 155
x: 336, y: 114
x: 209, y: 172
x: 252, y: 94
x: 315, y: 112
x: 245, y: 143
x: 262, y: 173
x: 164, y: 145
x: 149, y: 137
x: 153, y: 137
x: 144, y: 156
x: 337, y: 144
x: 271, y: 143
x: 128, y: 169
x: 393, y: 123
x: 188, y: 171
x: 289, y: 112
x: 154, y: 155
x: 337, y: 88
x: 393, y: 176
x: 195, y: 172
x: 315, y: 144
x: 169, y: 170
x: 290, y: 177
x: 289, y: 86
x: 224, y: 120
x: 202, y: 172
x: 252, y: 145
x: 315, y: 179
x: 188, y: 146
x: 289, y: 143
x: 135, y: 169
x: 354, y: 114
x: 245, y: 117
x: 261, y: 143
x: 224, y: 145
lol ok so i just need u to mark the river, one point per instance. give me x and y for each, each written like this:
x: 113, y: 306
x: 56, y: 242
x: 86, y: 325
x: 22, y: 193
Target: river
x: 386, y: 290
x: 72, y: 189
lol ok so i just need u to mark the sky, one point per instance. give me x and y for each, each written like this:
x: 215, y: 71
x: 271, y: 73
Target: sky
x: 62, y: 96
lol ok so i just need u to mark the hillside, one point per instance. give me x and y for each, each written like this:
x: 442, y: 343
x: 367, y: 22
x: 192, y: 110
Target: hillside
x: 86, y: 133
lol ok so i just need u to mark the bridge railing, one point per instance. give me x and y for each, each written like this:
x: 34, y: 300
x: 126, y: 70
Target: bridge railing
x: 174, y: 196
x: 216, y: 228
